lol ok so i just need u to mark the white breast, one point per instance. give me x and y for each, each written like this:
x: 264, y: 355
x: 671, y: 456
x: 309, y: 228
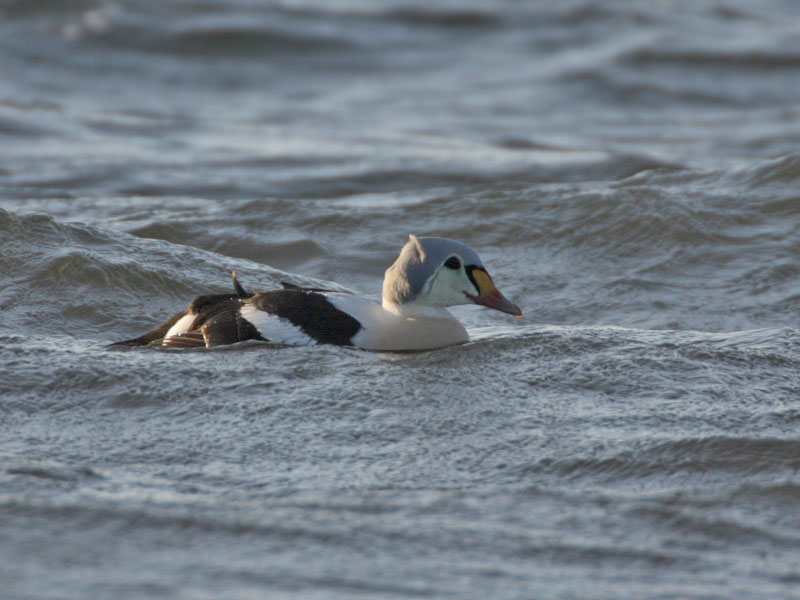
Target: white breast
x: 387, y: 330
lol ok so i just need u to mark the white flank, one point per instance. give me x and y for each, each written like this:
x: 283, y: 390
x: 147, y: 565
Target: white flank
x: 361, y: 309
x: 423, y: 328
x: 274, y: 328
x: 182, y: 326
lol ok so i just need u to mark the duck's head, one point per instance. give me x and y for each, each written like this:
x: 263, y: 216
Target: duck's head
x: 438, y: 272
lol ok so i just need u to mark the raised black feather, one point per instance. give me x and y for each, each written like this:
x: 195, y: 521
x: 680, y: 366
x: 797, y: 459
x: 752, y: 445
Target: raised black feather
x: 237, y: 287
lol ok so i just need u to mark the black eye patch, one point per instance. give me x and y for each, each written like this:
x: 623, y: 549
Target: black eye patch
x: 452, y: 263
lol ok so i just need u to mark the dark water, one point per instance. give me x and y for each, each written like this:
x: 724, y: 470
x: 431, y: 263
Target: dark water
x: 629, y: 173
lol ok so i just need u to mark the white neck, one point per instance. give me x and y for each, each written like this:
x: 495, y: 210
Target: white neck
x: 415, y: 310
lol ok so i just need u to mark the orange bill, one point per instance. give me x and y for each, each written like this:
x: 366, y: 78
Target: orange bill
x: 490, y: 296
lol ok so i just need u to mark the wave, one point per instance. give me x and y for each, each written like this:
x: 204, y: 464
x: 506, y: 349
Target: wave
x: 240, y: 39
x: 200, y: 31
x: 687, y: 463
x: 782, y: 170
x: 715, y: 58
x: 54, y: 470
x: 447, y: 17
x: 58, y: 276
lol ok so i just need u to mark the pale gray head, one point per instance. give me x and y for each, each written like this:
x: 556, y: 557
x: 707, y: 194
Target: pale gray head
x: 440, y: 272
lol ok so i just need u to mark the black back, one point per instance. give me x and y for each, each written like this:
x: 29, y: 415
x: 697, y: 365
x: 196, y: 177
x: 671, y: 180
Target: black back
x: 311, y: 312
x: 218, y: 320
x: 228, y: 327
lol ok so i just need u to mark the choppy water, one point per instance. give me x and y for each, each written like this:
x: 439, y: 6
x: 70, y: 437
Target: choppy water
x: 629, y: 173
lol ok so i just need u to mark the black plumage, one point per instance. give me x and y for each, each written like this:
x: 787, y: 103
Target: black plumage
x: 312, y: 312
x: 218, y: 319
x: 205, y: 307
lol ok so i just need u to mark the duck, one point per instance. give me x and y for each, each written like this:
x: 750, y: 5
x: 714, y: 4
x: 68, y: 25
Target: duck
x: 430, y: 275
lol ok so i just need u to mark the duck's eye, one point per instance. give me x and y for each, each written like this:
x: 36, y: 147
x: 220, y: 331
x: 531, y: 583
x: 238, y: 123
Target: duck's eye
x: 453, y: 263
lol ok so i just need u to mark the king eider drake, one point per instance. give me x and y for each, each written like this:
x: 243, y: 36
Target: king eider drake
x: 429, y: 275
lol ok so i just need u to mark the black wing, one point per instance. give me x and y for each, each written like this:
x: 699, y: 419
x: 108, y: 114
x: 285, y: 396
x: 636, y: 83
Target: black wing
x: 220, y: 325
x: 205, y: 307
x: 311, y: 312
x: 218, y: 322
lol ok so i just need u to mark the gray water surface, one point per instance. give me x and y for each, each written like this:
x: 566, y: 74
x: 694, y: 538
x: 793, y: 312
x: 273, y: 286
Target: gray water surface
x: 628, y: 173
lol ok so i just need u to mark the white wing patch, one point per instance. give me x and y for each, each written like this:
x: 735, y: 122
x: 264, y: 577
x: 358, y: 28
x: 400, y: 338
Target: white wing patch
x: 182, y: 326
x: 274, y: 328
